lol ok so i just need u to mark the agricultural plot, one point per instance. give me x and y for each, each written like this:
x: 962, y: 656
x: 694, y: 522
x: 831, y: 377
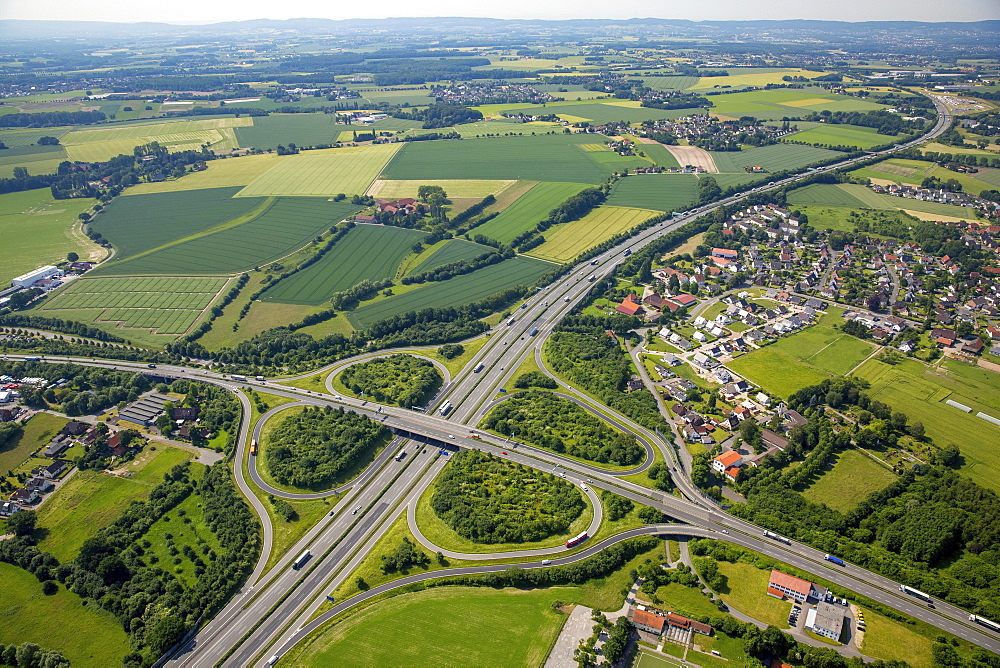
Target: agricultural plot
x: 287, y: 224
x: 735, y: 179
x: 36, y: 159
x: 368, y: 252
x: 659, y: 154
x: 453, y: 250
x: 915, y: 389
x: 456, y: 189
x: 26, y: 138
x: 267, y: 132
x: 670, y: 83
x: 102, y: 144
x: 740, y: 77
x: 600, y: 113
x: 348, y: 170
x: 528, y: 210
x: 659, y: 192
x: 843, y: 135
x: 456, y: 291
x: 566, y: 241
x: 221, y: 173
x: 544, y: 158
x: 775, y: 158
x: 36, y: 230
x: 777, y: 104
x: 494, y: 128
x: 137, y: 224
x: 858, y: 197
x: 824, y: 194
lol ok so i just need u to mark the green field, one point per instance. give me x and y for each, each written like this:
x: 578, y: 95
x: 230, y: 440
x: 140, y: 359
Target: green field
x: 37, y: 230
x: 93, y: 145
x: 740, y: 77
x: 544, y: 158
x: 465, y: 626
x: 528, y: 210
x: 140, y: 223
x: 220, y: 173
x: 770, y: 105
x: 456, y: 189
x: 890, y: 640
x: 659, y: 192
x: 568, y: 240
x: 38, y: 431
x: 453, y: 250
x: 286, y: 224
x: 917, y: 390
x: 659, y: 154
x: 844, y: 135
x: 600, y: 112
x: 84, y: 634
x: 853, y: 477
x: 349, y: 170
x: 774, y: 158
x: 494, y: 128
x: 455, y: 291
x: 26, y: 137
x: 91, y: 500
x: 36, y: 159
x: 194, y: 533
x: 267, y: 132
x: 670, y: 82
x: 746, y: 590
x: 858, y: 197
x: 166, y: 306
x: 368, y: 252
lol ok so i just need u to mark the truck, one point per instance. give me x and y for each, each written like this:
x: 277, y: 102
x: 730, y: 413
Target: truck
x: 982, y: 621
x: 593, y: 277
x: 915, y: 592
x: 534, y: 331
x: 300, y: 562
x: 511, y: 321
x: 260, y: 378
x: 242, y: 379
x: 774, y: 536
x: 836, y: 560
x: 401, y: 455
x: 566, y: 300
x: 479, y: 367
x: 32, y: 359
x: 253, y: 448
x: 628, y: 251
x: 576, y: 540
x: 445, y: 407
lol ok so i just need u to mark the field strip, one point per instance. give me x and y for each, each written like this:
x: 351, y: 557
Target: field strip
x: 456, y: 188
x: 692, y: 155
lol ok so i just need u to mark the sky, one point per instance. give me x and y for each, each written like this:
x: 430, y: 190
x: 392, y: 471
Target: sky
x: 200, y: 11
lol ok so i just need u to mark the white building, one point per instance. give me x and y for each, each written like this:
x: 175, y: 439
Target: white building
x: 32, y: 277
x: 826, y: 619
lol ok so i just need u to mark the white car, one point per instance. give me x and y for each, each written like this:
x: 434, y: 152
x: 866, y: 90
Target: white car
x: 546, y: 562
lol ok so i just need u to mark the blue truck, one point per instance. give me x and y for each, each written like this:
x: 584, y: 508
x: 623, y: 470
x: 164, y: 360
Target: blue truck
x: 836, y: 560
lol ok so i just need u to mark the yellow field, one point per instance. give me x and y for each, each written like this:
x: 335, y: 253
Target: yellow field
x: 806, y: 102
x: 100, y: 145
x: 325, y: 172
x: 225, y: 173
x: 594, y: 147
x: 754, y: 79
x: 564, y: 242
x: 468, y: 188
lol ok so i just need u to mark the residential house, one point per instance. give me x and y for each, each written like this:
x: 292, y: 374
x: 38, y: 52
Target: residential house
x: 728, y: 464
x: 648, y: 622
x: 826, y: 619
x: 783, y: 585
x: 8, y: 508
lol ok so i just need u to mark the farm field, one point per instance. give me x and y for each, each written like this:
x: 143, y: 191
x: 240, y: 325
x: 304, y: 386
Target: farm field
x: 166, y: 306
x: 545, y: 158
x: 37, y: 230
x: 659, y: 154
x: 528, y: 210
x: 844, y: 135
x: 92, y: 145
x: 287, y: 224
x: 485, y: 128
x: 853, y: 477
x: 38, y: 431
x: 84, y: 634
x: 36, y: 159
x: 456, y: 291
x: 473, y: 626
x: 775, y: 104
x: 751, y: 76
x: 368, y: 252
x: 29, y: 137
x: 137, y: 224
x: 453, y: 250
x: 349, y: 170
x: 915, y: 389
x: 670, y: 82
x: 658, y: 192
x: 220, y: 173
x: 267, y: 132
x: 735, y: 179
x: 776, y: 372
x: 775, y: 158
x: 456, y: 188
x: 566, y: 241
x: 858, y: 197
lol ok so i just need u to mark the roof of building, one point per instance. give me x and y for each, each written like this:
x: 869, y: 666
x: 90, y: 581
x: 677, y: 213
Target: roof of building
x: 790, y: 582
x: 648, y: 619
x: 729, y: 458
x: 829, y: 617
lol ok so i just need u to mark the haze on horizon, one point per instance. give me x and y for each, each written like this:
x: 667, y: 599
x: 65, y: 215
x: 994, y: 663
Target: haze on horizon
x: 199, y: 11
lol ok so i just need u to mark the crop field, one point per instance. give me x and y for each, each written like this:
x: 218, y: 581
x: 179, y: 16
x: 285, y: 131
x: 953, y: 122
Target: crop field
x: 774, y: 158
x: 300, y: 129
x: 221, y: 173
x: 670, y: 83
x: 494, y: 128
x: 915, y: 389
x: 370, y: 252
x: 659, y: 192
x: 528, y: 210
x: 659, y: 154
x: 289, y: 223
x: 36, y: 159
x: 455, y: 291
x: 776, y: 104
x: 453, y: 250
x: 96, y: 145
x: 545, y: 158
x: 858, y: 196
x: 26, y: 137
x: 456, y: 189
x: 139, y: 223
x: 37, y: 230
x: 853, y: 477
x: 602, y: 112
x: 752, y: 76
x: 735, y: 179
x: 844, y: 135
x: 825, y: 194
x: 349, y: 170
x: 564, y: 242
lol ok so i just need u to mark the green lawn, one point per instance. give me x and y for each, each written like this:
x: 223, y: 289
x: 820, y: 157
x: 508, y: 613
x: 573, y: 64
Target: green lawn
x: 892, y: 641
x: 528, y: 210
x: 852, y: 478
x: 844, y: 135
x: 746, y: 590
x: 38, y: 230
x: 687, y: 601
x: 91, y: 500
x: 85, y: 634
x: 660, y: 192
x: 185, y: 525
x: 568, y: 240
x: 38, y: 431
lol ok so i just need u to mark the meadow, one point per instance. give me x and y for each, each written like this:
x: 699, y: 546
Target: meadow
x: 528, y: 210
x: 455, y: 291
x: 843, y: 135
x: 600, y: 113
x: 92, y: 145
x: 29, y: 137
x: 37, y: 433
x: 920, y: 391
x: 289, y: 223
x: 220, y: 173
x: 453, y: 250
x: 185, y: 524
x: 670, y: 82
x: 859, y: 197
x: 659, y: 154
x: 349, y: 170
x: 267, y: 132
x: 36, y: 159
x: 853, y: 477
x: 544, y: 158
x: 566, y: 241
x: 38, y: 230
x: 368, y: 252
x: 493, y: 128
x: 777, y: 104
x: 138, y: 224
x: 745, y: 590
x: 774, y: 158
x: 456, y: 189
x: 659, y: 192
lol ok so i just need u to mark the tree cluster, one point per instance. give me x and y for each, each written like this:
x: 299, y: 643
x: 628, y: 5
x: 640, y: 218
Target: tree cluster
x: 30, y: 655
x: 403, y: 380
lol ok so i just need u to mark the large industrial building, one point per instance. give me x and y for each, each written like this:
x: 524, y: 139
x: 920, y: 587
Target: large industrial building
x: 32, y: 277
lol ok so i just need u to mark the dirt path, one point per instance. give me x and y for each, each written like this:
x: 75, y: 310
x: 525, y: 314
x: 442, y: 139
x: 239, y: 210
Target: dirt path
x: 692, y: 155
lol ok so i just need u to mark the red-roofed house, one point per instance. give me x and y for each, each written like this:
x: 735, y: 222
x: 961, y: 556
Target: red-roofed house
x: 725, y: 253
x: 783, y: 585
x: 630, y: 306
x: 683, y: 299
x: 728, y: 464
x: 648, y: 621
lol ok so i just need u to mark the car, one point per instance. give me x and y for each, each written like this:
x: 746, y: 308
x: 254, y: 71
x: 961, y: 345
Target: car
x: 451, y: 436
x: 150, y: 366
x: 546, y: 562
x: 503, y: 452
x: 725, y: 532
x: 356, y: 510
x: 562, y: 475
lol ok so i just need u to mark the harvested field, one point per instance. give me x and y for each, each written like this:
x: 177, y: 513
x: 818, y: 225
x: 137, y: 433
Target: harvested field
x: 692, y: 155
x: 327, y: 172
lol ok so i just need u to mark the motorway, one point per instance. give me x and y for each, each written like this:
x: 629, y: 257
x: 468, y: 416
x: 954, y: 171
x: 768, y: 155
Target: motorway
x: 271, y: 613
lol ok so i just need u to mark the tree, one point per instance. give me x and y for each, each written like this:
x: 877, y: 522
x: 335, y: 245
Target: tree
x: 750, y: 431
x: 48, y: 141
x: 20, y: 172
x: 917, y: 430
x: 49, y: 587
x: 72, y: 257
x: 22, y: 523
